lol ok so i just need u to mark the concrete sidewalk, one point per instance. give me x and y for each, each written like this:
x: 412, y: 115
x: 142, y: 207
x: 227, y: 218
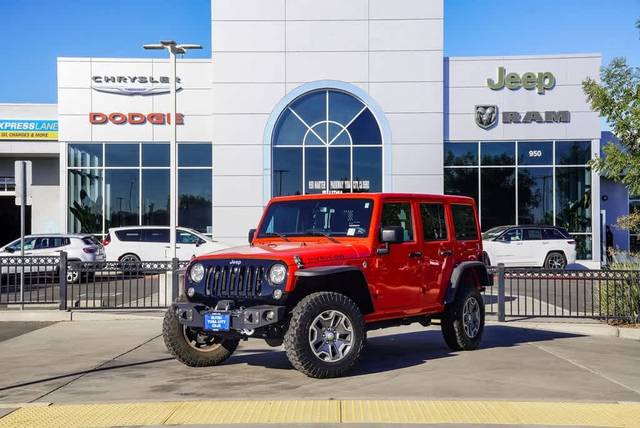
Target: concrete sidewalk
x: 106, y: 361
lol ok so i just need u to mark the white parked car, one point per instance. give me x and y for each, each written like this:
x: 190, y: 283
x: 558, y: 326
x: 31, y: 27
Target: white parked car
x: 550, y: 247
x: 151, y: 243
x: 83, y: 248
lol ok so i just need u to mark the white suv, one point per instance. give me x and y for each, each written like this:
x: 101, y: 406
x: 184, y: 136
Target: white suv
x: 79, y: 248
x: 550, y: 247
x: 151, y: 243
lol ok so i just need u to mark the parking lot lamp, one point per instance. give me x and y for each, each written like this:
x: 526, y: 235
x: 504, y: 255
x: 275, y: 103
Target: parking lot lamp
x: 173, y: 48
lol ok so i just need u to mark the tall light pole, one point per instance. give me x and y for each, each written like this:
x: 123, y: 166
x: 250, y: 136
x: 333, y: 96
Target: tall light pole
x: 173, y: 49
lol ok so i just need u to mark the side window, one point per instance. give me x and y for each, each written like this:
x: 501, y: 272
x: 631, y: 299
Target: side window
x: 552, y: 234
x: 398, y: 214
x: 183, y: 237
x: 129, y: 235
x: 41, y: 243
x: 29, y: 244
x: 512, y: 235
x: 156, y: 235
x: 433, y: 222
x: 464, y: 222
x: 532, y: 234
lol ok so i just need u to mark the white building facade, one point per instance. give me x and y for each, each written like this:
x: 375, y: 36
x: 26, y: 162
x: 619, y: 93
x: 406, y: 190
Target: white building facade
x: 304, y: 97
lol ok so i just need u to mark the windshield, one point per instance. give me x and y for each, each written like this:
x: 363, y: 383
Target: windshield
x: 494, y: 232
x: 316, y: 217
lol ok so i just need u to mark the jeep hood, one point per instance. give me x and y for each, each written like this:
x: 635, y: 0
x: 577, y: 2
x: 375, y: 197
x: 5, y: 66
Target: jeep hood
x: 309, y: 252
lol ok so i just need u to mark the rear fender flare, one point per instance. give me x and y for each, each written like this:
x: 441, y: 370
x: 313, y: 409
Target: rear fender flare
x: 475, y: 268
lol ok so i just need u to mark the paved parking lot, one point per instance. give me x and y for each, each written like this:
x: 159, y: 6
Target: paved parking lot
x: 104, y: 361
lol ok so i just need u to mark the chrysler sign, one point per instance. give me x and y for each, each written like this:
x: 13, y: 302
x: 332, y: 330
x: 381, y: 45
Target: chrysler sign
x: 132, y: 85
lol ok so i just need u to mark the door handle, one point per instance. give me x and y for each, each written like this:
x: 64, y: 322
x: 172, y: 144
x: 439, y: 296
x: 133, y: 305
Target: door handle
x: 446, y: 253
x: 415, y: 254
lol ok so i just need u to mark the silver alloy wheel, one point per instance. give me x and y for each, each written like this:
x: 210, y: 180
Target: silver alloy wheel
x: 331, y: 336
x: 471, y: 317
x: 129, y: 258
x: 555, y: 261
x: 199, y: 341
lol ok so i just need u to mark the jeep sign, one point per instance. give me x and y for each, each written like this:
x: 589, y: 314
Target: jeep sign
x: 540, y: 81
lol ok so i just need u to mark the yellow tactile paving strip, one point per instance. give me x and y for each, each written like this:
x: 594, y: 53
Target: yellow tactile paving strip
x: 327, y: 411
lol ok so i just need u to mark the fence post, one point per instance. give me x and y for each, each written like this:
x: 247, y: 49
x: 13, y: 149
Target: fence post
x: 501, y: 315
x: 174, y: 280
x: 62, y: 269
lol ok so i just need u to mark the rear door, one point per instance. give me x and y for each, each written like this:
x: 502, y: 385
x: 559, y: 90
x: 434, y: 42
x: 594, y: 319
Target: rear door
x: 437, y: 250
x: 533, y: 246
x: 155, y: 244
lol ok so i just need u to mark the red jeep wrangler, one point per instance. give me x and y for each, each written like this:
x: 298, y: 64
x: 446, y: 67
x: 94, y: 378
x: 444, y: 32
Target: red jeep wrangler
x: 321, y: 270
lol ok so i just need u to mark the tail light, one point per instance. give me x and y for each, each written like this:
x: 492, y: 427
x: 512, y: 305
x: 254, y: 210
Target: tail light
x: 89, y: 250
x: 106, y: 240
x: 571, y: 242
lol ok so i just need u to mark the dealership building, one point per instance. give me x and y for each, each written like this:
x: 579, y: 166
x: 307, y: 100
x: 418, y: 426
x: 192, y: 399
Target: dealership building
x: 307, y: 97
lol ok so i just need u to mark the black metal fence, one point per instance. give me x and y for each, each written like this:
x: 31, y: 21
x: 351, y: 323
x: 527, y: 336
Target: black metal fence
x: 599, y: 294
x: 517, y: 292
x: 56, y: 282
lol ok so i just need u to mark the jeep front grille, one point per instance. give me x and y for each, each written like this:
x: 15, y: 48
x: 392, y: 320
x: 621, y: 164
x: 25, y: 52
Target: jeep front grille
x: 234, y: 281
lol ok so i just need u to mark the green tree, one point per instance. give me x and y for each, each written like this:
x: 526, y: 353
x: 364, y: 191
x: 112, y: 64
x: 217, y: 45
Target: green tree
x: 617, y: 98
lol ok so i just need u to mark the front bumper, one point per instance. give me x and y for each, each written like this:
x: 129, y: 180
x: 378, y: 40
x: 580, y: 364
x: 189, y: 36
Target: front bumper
x: 251, y: 318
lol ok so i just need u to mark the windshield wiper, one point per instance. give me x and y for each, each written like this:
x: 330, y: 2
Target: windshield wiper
x: 281, y: 235
x: 316, y: 232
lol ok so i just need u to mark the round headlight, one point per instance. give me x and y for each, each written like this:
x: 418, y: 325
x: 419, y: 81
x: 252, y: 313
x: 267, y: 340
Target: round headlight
x: 196, y: 273
x: 277, y: 273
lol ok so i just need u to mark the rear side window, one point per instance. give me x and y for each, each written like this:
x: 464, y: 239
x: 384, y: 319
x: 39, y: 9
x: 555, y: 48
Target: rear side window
x: 434, y: 226
x: 552, y: 234
x: 156, y: 235
x: 398, y: 214
x: 129, y: 235
x: 51, y: 242
x: 464, y: 222
x: 532, y: 234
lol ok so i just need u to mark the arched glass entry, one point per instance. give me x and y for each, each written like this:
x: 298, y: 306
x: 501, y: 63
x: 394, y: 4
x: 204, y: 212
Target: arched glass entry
x: 326, y: 141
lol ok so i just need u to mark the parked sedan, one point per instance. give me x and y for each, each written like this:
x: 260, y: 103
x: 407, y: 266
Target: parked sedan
x: 79, y: 248
x: 550, y: 247
x: 151, y: 243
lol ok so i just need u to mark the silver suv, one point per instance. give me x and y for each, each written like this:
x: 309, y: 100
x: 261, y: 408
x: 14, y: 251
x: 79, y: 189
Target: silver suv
x: 83, y: 248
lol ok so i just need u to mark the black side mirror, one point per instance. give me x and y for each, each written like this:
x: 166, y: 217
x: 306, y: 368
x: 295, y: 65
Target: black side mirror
x: 390, y: 235
x: 9, y: 250
x: 252, y: 233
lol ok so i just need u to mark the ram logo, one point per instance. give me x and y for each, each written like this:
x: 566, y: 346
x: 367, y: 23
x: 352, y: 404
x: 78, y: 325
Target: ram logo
x: 486, y: 116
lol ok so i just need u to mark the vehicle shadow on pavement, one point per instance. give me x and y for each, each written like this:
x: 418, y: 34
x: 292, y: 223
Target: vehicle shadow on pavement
x: 402, y: 350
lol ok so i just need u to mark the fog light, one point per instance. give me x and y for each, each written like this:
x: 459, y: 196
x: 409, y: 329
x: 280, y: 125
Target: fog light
x: 191, y: 291
x: 270, y: 315
x: 277, y: 293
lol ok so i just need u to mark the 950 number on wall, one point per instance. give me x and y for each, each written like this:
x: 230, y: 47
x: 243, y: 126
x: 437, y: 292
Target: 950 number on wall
x: 535, y: 153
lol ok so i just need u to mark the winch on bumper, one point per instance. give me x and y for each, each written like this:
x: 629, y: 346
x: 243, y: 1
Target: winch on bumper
x: 197, y: 315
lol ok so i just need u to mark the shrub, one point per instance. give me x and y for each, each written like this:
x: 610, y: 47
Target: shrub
x: 620, y: 295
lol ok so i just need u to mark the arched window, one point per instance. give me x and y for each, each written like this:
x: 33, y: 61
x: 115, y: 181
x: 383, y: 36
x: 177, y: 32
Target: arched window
x: 326, y: 141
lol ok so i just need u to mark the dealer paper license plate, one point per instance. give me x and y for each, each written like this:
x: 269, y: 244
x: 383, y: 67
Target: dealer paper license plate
x: 217, y: 321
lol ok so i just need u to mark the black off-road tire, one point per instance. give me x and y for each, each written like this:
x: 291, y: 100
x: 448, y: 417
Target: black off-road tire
x: 181, y: 350
x: 296, y: 340
x: 453, y: 321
